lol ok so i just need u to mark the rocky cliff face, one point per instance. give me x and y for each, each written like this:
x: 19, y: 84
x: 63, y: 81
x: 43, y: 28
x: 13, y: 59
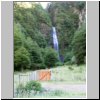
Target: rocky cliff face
x: 80, y: 9
x: 82, y: 16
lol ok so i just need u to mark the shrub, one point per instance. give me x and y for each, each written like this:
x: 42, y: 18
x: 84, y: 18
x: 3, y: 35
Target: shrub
x: 20, y: 89
x: 67, y: 63
x: 33, y: 85
x: 59, y: 64
x: 73, y: 60
x: 68, y: 57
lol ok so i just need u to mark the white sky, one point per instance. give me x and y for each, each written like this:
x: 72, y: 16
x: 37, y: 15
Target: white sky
x: 27, y: 4
x: 44, y: 4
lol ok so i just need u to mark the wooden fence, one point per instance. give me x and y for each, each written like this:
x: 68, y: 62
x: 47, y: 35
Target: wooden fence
x: 39, y: 75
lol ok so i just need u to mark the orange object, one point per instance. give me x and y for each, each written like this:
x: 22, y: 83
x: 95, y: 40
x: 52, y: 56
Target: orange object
x: 44, y: 75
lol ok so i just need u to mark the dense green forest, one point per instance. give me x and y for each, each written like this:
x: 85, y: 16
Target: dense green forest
x: 33, y: 46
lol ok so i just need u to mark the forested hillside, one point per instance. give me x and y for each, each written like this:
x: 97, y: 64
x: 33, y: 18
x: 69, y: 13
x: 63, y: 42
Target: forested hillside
x: 33, y: 46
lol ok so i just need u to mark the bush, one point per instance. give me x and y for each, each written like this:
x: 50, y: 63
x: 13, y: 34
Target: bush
x: 68, y: 57
x: 33, y: 85
x: 51, y: 57
x: 68, y: 63
x: 73, y: 60
x: 20, y: 89
x: 59, y: 64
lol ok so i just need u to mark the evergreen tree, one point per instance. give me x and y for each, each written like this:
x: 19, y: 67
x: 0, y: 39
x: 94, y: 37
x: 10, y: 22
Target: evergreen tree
x: 79, y: 45
x: 21, y: 59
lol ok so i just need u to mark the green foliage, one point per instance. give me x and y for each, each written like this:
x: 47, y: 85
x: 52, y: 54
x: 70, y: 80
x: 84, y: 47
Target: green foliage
x: 40, y: 39
x: 68, y: 57
x: 20, y: 88
x: 51, y: 57
x: 19, y: 37
x: 65, y: 21
x: 68, y: 63
x: 73, y: 60
x: 21, y: 58
x: 79, y: 45
x: 28, y: 34
x: 70, y: 68
x: 28, y: 88
x: 36, y: 56
x: 38, y: 66
x: 80, y: 5
x: 57, y: 92
x: 33, y: 16
x: 33, y: 85
x: 43, y: 16
x: 59, y: 64
x: 32, y: 27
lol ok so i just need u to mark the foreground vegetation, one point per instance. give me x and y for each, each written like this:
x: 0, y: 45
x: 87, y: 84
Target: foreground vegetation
x: 53, y: 94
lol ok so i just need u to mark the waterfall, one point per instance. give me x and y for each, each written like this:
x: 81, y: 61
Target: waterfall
x: 55, y: 40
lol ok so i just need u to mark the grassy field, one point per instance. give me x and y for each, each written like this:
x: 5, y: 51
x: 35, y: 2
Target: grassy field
x: 68, y: 74
x: 54, y: 94
x: 71, y: 74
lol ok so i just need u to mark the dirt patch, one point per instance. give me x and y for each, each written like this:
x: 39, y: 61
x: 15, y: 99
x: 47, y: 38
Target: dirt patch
x: 65, y: 87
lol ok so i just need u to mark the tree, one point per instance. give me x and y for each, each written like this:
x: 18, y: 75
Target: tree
x: 79, y: 45
x: 40, y: 39
x: 33, y: 16
x: 68, y: 57
x: 35, y: 53
x: 51, y: 57
x: 19, y: 37
x: 21, y: 59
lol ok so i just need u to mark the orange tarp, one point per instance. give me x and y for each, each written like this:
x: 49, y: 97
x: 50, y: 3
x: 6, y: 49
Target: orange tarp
x: 44, y: 75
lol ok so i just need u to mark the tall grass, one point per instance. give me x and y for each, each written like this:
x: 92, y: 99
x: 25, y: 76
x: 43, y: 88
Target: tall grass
x: 73, y: 74
x: 53, y: 94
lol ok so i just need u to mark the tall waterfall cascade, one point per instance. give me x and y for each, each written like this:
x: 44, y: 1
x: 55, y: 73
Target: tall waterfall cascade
x: 55, y: 40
